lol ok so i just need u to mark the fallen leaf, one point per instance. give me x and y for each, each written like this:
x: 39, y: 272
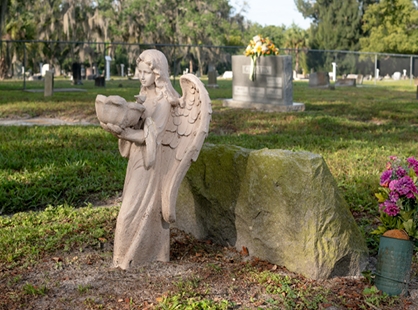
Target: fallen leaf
x: 244, y: 251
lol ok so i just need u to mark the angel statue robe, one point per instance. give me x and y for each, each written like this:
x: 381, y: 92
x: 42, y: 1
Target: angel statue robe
x: 154, y: 173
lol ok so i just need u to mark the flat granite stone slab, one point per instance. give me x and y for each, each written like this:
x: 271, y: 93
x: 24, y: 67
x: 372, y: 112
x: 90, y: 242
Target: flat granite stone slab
x: 56, y: 90
x: 268, y: 107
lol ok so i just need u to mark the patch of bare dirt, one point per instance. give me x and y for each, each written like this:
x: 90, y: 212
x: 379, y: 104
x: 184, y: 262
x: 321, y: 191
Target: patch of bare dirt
x: 85, y: 280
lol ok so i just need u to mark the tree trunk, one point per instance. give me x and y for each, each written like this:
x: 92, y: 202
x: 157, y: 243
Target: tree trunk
x: 297, y: 61
x: 3, y: 13
x: 199, y: 61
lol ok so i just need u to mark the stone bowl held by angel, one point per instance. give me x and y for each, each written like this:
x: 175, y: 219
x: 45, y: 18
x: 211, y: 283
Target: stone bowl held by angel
x: 115, y: 113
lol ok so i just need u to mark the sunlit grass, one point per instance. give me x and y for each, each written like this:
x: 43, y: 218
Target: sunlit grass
x: 354, y: 129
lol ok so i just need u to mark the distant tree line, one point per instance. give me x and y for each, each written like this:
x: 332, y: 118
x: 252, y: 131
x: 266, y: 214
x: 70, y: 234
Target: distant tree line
x: 355, y: 25
x: 186, y: 22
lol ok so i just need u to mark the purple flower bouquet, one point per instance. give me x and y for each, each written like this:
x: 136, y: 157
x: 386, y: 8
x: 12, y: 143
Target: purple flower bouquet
x: 397, y: 197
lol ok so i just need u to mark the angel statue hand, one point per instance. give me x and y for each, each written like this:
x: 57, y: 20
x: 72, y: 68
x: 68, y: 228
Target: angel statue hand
x: 113, y: 129
x: 133, y: 135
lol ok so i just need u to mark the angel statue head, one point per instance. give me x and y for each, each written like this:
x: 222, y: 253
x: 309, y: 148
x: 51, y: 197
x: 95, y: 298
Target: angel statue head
x: 156, y: 63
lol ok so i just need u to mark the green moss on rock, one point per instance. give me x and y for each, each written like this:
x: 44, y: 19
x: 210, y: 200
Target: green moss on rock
x: 283, y: 206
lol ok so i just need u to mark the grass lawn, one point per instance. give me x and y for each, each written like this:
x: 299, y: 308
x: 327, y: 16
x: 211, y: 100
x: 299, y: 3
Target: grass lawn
x: 354, y: 129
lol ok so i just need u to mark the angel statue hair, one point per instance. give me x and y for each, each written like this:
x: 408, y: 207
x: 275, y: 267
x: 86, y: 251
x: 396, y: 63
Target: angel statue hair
x: 161, y: 134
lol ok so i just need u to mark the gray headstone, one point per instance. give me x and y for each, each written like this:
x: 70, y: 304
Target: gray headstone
x: 48, y: 83
x: 212, y: 83
x: 99, y: 81
x: 359, y: 80
x: 352, y: 76
x: 76, y: 71
x: 346, y: 82
x: 273, y: 82
x: 319, y: 79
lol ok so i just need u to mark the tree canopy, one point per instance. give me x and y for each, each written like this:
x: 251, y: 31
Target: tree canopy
x: 336, y: 24
x: 393, y: 27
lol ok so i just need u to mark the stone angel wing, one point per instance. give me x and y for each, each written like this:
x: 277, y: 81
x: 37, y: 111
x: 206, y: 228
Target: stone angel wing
x: 186, y: 130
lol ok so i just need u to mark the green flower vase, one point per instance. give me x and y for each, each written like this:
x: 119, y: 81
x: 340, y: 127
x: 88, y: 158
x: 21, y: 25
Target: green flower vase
x: 394, y: 265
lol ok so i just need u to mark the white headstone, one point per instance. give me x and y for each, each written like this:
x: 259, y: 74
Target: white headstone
x: 122, y: 70
x: 334, y: 71
x: 108, y: 60
x: 45, y: 68
x: 227, y: 75
x: 396, y: 76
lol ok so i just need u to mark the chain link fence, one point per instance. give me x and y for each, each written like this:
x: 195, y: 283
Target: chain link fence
x: 28, y: 60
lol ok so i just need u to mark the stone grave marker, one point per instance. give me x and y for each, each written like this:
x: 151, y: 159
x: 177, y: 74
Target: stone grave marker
x: 212, y: 82
x: 358, y: 77
x: 345, y: 82
x: 359, y: 80
x: 48, y: 83
x: 76, y: 71
x: 83, y: 72
x: 273, y: 82
x: 122, y: 70
x: 45, y: 68
x: 227, y: 75
x: 270, y: 90
x: 319, y: 80
x: 396, y: 76
x: 99, y: 81
x: 108, y: 60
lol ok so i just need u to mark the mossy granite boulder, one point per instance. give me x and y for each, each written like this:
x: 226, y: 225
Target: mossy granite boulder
x: 283, y: 206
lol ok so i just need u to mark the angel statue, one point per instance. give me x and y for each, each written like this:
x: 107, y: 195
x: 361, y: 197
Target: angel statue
x: 161, y: 133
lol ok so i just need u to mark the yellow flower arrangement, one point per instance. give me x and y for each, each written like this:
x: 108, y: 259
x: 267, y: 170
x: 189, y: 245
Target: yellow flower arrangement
x: 259, y: 46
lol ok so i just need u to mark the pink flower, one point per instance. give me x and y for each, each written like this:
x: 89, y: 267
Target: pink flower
x: 385, y: 178
x: 393, y: 196
x: 393, y: 184
x: 391, y: 209
x: 400, y: 172
x: 405, y: 186
x: 413, y: 163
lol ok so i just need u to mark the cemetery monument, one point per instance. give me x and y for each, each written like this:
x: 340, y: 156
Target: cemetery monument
x: 263, y: 83
x: 161, y: 134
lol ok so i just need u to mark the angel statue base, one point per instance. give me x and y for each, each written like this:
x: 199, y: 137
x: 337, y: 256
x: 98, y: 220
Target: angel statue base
x: 161, y: 134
